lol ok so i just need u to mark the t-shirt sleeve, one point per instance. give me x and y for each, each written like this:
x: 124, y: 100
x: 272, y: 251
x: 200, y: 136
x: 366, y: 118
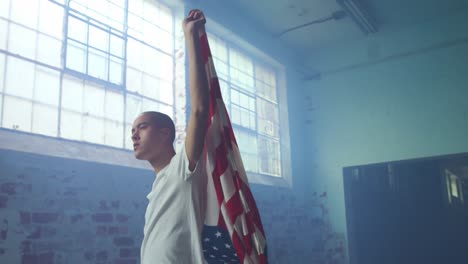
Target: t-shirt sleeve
x: 184, y: 165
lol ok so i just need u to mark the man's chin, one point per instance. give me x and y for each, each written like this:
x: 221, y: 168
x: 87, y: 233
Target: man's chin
x: 138, y: 156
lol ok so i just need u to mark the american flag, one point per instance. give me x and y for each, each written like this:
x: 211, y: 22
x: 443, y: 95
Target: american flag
x: 233, y: 231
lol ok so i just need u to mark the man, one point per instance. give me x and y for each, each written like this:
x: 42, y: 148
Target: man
x: 176, y: 209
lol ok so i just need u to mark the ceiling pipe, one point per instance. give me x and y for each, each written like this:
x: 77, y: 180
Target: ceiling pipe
x: 359, y: 15
x: 337, y: 15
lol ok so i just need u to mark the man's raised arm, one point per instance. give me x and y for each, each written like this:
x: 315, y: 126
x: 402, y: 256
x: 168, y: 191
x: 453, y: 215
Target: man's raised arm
x: 199, y: 90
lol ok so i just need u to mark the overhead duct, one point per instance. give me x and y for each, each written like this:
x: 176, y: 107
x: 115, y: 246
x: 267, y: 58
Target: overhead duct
x: 359, y: 15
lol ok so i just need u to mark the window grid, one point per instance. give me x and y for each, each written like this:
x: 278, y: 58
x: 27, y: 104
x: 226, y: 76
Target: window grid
x: 260, y: 148
x: 110, y: 33
x: 105, y: 82
x: 261, y: 86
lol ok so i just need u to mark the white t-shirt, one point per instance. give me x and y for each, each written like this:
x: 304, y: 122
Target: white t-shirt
x: 175, y: 214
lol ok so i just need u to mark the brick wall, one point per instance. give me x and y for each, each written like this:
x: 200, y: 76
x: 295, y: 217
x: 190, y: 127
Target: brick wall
x: 56, y: 210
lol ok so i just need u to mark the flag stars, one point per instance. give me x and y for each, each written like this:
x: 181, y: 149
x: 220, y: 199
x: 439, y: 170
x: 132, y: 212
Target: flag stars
x: 217, y: 247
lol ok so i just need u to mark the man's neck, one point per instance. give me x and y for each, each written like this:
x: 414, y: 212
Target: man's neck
x: 162, y: 161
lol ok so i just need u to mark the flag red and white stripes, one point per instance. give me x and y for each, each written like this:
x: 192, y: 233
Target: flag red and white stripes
x: 231, y: 206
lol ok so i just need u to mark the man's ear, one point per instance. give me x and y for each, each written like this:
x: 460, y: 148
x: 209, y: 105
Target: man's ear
x: 166, y: 132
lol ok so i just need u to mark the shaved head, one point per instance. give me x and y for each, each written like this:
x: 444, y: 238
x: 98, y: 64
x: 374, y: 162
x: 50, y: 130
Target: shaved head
x: 161, y: 120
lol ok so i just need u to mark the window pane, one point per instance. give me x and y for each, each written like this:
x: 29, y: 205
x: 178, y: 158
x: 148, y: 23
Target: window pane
x: 136, y: 105
x: 98, y: 38
x: 265, y: 83
x: 72, y: 94
x: 117, y: 44
x: 80, y: 5
x: 99, y: 16
x: 151, y: 61
x: 17, y: 114
x: 252, y: 104
x: 225, y: 92
x: 45, y: 119
x: 93, y: 100
x: 135, y: 54
x: 97, y: 65
x: 244, y: 100
x: 266, y: 127
x: 165, y: 20
x: 77, y: 29
x: 47, y: 86
x: 128, y: 136
x: 116, y: 71
x: 113, y: 134
x: 150, y: 86
x: 221, y: 68
x: 235, y: 97
x: 269, y: 155
x: 151, y: 34
x: 168, y: 110
x: 136, y: 7
x: 2, y: 73
x: 48, y: 50
x: 25, y: 12
x: 99, y: 10
x: 149, y: 105
x: 267, y: 110
x: 120, y: 3
x: 51, y: 19
x: 135, y: 24
x: 71, y: 125
x: 235, y: 114
x: 241, y: 70
x: 165, y: 67
x: 248, y: 147
x: 116, y: 17
x: 150, y: 11
x: 134, y: 80
x: 253, y: 122
x: 3, y: 33
x: 114, y: 106
x: 4, y: 8
x: 93, y: 129
x: 22, y: 41
x: 166, y: 92
x: 19, y: 78
x: 218, y: 48
x: 268, y: 121
x: 245, y: 119
x: 133, y: 109
x: 165, y: 41
x: 76, y: 56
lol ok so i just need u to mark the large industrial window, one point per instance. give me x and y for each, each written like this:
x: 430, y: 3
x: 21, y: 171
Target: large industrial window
x: 250, y: 90
x: 83, y: 70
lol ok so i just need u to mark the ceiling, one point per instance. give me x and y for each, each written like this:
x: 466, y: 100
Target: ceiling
x: 275, y: 16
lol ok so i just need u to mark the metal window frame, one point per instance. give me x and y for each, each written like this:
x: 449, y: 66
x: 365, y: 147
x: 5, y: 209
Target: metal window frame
x: 85, y: 77
x: 255, y: 61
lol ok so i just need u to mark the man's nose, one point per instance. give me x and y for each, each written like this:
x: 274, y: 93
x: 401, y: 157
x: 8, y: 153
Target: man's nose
x: 135, y: 136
